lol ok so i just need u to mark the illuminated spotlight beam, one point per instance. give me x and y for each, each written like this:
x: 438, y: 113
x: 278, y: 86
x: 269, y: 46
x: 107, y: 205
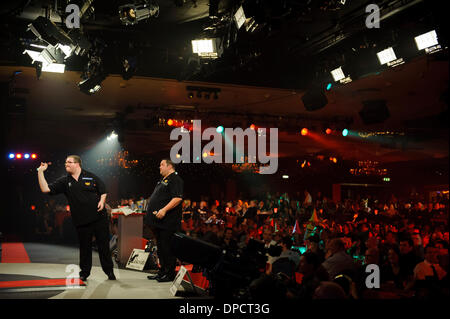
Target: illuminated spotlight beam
x: 105, y: 148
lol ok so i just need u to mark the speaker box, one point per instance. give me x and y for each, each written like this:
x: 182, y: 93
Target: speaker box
x: 374, y: 111
x: 195, y: 251
x: 314, y: 99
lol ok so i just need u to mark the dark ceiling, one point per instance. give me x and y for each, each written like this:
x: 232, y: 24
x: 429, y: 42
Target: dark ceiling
x: 296, y: 41
x: 262, y: 76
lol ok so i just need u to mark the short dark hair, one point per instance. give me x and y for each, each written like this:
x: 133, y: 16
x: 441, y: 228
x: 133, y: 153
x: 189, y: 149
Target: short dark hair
x: 169, y: 162
x: 76, y: 159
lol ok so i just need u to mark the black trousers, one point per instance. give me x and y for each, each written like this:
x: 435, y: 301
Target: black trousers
x: 167, y: 260
x: 99, y: 229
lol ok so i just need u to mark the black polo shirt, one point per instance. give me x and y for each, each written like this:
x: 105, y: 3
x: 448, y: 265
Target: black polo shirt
x: 166, y: 189
x: 83, y: 196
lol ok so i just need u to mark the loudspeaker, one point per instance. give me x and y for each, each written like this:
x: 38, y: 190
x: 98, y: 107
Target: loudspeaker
x: 374, y: 111
x: 195, y: 251
x: 314, y: 99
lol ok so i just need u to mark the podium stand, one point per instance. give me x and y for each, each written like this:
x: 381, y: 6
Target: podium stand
x: 130, y: 235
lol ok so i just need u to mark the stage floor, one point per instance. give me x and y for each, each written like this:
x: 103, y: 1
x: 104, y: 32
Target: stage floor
x: 22, y: 277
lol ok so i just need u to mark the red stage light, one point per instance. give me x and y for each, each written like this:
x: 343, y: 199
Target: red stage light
x: 33, y: 207
x: 170, y: 122
x: 19, y: 156
x: 304, y: 131
x: 328, y: 131
x: 33, y: 156
x: 253, y: 126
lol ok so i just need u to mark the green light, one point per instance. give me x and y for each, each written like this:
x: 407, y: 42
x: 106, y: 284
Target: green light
x: 219, y: 129
x: 344, y: 132
x: 328, y: 86
x: 386, y: 179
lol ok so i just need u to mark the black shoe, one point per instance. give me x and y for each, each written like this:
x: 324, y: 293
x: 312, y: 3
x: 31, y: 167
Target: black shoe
x: 166, y: 278
x: 155, y: 276
x: 111, y: 276
x: 83, y: 278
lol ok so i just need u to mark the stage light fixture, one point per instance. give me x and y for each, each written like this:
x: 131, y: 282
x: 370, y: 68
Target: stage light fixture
x: 27, y: 156
x: 329, y: 85
x: 304, y: 131
x: 19, y: 156
x: 338, y: 74
x: 328, y: 131
x: 112, y: 136
x: 207, y: 48
x: 170, y: 122
x: 386, y: 56
x: 11, y: 155
x: 239, y: 17
x: 344, y: 132
x: 33, y: 156
x: 428, y: 41
x: 132, y: 13
x: 53, y: 45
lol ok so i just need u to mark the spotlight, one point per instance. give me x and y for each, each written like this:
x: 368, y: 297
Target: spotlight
x: 27, y: 156
x: 428, y: 41
x: 19, y: 156
x: 208, y: 48
x: 12, y: 155
x: 304, y: 131
x: 386, y: 56
x: 329, y: 86
x: 33, y: 156
x: 239, y: 17
x: 253, y: 127
x: 219, y: 129
x: 112, y: 136
x: 344, y: 132
x: 132, y: 13
x: 53, y: 46
x: 328, y: 131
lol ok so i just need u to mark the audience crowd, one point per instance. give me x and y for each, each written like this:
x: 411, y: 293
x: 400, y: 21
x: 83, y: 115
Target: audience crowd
x: 325, y: 247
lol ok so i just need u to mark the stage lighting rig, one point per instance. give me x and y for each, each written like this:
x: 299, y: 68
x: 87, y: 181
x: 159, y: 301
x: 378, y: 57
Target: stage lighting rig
x: 53, y: 45
x: 132, y: 13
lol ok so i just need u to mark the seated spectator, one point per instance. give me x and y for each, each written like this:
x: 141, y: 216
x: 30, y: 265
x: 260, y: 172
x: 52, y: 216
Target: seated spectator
x: 313, y: 273
x: 357, y: 288
x: 312, y: 245
x: 391, y: 275
x: 288, y: 260
x: 408, y: 259
x: 228, y: 242
x: 428, y: 275
x: 337, y: 261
